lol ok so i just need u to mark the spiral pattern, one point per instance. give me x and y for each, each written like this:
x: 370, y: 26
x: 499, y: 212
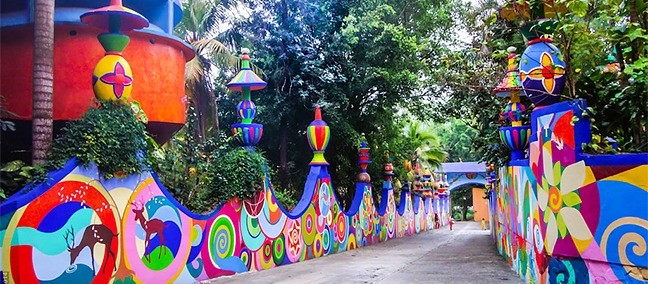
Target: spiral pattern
x: 629, y: 235
x: 221, y: 237
x: 568, y: 271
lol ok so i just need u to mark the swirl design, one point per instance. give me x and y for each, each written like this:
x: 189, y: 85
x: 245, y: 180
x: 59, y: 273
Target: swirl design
x: 222, y: 236
x: 568, y: 271
x: 624, y: 233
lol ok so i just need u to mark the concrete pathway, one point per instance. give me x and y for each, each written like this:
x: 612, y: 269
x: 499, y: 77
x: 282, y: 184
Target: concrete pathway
x: 465, y: 255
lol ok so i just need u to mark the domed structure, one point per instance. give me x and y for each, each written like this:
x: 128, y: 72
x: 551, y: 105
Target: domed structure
x: 158, y: 85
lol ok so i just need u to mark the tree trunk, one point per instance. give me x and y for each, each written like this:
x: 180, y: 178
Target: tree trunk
x: 43, y: 80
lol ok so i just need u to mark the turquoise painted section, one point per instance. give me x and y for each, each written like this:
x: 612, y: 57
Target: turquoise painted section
x: 568, y: 217
x: 81, y: 228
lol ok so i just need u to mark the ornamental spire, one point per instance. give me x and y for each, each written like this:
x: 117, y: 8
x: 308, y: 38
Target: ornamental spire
x: 112, y: 78
x: 363, y: 160
x: 247, y: 133
x: 318, y: 134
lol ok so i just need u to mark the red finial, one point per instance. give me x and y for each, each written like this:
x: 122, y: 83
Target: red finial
x: 318, y: 113
x: 116, y: 3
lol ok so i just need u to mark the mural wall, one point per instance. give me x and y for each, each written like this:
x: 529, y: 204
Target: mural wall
x: 80, y: 228
x: 567, y: 217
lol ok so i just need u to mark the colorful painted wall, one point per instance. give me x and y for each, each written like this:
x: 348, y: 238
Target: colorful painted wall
x: 480, y: 205
x: 568, y: 217
x: 79, y: 228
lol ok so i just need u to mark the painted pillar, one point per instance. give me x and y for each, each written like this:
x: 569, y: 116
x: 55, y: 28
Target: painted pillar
x: 247, y: 133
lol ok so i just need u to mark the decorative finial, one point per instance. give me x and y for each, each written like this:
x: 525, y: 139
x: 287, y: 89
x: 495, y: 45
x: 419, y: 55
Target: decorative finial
x: 363, y: 160
x: 318, y: 134
x: 248, y: 134
x: 388, y: 168
x: 112, y: 78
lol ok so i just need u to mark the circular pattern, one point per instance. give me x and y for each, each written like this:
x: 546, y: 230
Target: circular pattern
x: 318, y: 247
x: 308, y: 225
x: 326, y: 240
x: 251, y: 231
x: 278, y: 250
x: 294, y: 240
x: 264, y: 256
x: 246, y: 257
x: 352, y: 242
x: 76, y: 202
x: 222, y: 236
x: 71, y: 269
x: 341, y: 228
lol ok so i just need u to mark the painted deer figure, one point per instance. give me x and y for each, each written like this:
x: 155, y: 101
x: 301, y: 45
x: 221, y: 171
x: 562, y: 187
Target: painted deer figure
x: 152, y: 226
x: 92, y: 235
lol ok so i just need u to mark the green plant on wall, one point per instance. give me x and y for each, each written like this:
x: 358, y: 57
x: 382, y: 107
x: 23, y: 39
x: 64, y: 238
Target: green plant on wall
x: 16, y: 174
x: 238, y: 172
x: 110, y: 135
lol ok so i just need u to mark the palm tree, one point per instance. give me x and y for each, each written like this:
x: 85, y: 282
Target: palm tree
x: 200, y: 27
x: 428, y: 151
x: 43, y: 80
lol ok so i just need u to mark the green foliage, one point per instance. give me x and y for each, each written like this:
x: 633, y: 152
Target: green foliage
x: 110, y: 136
x: 457, y: 139
x: 238, y: 172
x: 16, y: 174
x: 284, y: 197
x: 361, y: 61
x: 204, y: 174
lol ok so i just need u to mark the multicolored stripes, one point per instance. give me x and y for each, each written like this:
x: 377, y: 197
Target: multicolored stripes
x: 318, y: 134
x: 516, y: 138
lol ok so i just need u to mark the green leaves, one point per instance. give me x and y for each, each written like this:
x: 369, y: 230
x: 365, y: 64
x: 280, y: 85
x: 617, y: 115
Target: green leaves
x: 238, y: 172
x: 111, y: 136
x: 578, y: 7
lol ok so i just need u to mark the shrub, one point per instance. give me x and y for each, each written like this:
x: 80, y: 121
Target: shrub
x: 236, y: 172
x: 110, y: 136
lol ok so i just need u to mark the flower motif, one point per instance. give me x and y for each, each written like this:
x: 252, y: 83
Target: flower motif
x: 118, y: 79
x: 548, y: 72
x: 559, y: 200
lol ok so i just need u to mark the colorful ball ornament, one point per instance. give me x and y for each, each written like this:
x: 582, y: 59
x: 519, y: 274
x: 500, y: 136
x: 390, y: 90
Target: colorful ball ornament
x: 112, y: 78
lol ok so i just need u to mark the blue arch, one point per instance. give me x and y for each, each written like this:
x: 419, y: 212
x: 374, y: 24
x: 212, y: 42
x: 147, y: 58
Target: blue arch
x: 463, y: 173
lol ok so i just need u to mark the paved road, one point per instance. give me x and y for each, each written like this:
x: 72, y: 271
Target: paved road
x: 465, y: 255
